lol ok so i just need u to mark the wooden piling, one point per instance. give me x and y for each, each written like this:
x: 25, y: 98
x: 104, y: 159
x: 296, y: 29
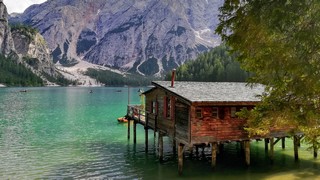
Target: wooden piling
x: 213, y: 155
x: 295, y: 147
x: 266, y: 141
x: 271, y: 154
x: 128, y: 128
x: 315, y: 151
x: 247, y: 151
x: 134, y: 132
x: 283, y: 141
x: 180, y: 158
x: 160, y: 142
x: 174, y: 146
x: 146, y: 144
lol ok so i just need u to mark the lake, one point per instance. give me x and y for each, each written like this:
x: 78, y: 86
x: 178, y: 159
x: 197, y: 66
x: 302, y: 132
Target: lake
x: 69, y: 133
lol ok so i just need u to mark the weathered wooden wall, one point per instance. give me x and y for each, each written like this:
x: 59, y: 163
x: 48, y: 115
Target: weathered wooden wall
x: 164, y: 124
x: 182, y: 121
x: 210, y: 129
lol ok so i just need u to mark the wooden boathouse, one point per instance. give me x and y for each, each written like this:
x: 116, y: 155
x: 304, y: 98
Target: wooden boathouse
x: 193, y: 114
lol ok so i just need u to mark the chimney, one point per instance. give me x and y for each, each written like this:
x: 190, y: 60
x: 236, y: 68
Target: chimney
x: 172, y: 77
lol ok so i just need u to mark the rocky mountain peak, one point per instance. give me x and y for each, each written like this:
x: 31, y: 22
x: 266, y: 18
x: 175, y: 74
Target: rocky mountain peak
x: 6, y: 42
x: 148, y: 37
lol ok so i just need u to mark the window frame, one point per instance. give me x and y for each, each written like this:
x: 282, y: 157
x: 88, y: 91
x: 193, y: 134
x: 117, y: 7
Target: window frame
x: 215, y: 112
x: 197, y: 113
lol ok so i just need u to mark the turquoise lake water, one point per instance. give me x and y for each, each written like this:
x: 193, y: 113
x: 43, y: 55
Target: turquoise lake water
x: 68, y: 133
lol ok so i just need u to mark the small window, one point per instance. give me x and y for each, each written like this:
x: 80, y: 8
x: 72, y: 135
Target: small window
x: 233, y: 112
x: 153, y: 107
x: 221, y: 113
x: 167, y: 107
x: 215, y: 113
x: 198, y: 113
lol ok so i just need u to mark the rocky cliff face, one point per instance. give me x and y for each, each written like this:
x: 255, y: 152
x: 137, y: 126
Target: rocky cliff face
x: 149, y: 37
x: 32, y: 47
x: 6, y: 42
x: 25, y: 46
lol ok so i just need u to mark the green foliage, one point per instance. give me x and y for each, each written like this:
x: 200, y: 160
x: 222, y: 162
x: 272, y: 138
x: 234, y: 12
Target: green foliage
x: 13, y: 73
x: 215, y: 66
x: 110, y: 78
x: 59, y: 79
x: 26, y: 30
x: 279, y: 42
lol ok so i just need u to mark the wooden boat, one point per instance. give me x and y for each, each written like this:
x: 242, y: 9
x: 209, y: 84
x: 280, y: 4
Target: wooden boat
x: 122, y: 120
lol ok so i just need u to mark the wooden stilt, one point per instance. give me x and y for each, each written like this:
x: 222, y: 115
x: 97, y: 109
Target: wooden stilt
x: 221, y: 146
x: 128, y: 128
x: 266, y: 141
x: 180, y: 158
x: 298, y: 140
x: 134, y: 132
x: 160, y: 141
x: 247, y: 151
x: 241, y: 146
x: 213, y: 155
x: 315, y: 151
x: 174, y: 146
x: 146, y: 139
x: 146, y: 143
x: 191, y: 152
x: 295, y: 147
x: 271, y: 154
x: 283, y: 141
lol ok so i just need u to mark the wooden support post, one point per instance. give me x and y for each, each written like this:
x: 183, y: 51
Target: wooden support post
x: 128, y: 128
x: 271, y: 154
x: 247, y: 151
x: 283, y: 140
x: 298, y: 140
x: 146, y: 144
x: 315, y: 151
x: 146, y: 139
x: 213, y: 155
x: 221, y: 146
x: 295, y: 147
x: 266, y: 141
x: 155, y: 126
x: 174, y: 146
x: 134, y: 132
x: 180, y: 158
x: 241, y: 146
x: 197, y: 150
x: 160, y: 141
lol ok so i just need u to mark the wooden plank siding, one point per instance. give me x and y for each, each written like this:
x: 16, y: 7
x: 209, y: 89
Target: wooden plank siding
x: 208, y: 129
x: 164, y: 124
x: 181, y: 121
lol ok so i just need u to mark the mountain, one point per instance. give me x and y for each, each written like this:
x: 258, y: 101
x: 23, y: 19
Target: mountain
x: 25, y: 59
x: 148, y: 37
x: 6, y: 42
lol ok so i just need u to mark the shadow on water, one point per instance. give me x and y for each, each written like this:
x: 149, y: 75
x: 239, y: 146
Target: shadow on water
x: 129, y: 161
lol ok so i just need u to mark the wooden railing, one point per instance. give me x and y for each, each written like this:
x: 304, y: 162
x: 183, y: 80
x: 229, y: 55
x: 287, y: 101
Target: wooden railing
x: 137, y: 113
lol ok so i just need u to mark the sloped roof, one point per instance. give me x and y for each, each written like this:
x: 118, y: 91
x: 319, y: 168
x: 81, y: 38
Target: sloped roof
x: 213, y: 91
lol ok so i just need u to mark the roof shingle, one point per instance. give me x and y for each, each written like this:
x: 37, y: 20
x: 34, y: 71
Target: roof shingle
x: 214, y: 91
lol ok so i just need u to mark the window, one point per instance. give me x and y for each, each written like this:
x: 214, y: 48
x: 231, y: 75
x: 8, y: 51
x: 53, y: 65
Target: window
x: 199, y: 113
x: 215, y: 113
x: 233, y: 112
x: 221, y: 113
x: 167, y: 106
x: 154, y: 107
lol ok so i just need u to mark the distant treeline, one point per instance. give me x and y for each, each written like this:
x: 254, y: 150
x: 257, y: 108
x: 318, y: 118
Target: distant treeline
x: 216, y: 65
x: 110, y: 78
x: 13, y: 73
